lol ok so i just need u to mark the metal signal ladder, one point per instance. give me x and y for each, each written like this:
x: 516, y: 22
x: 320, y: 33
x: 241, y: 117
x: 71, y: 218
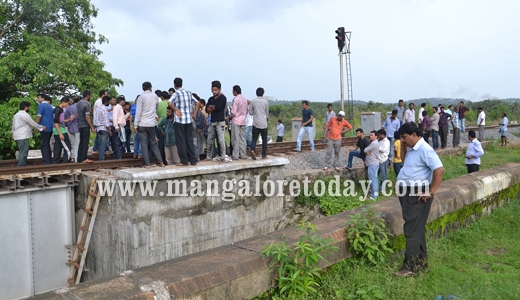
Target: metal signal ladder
x: 350, y: 97
x: 87, y: 224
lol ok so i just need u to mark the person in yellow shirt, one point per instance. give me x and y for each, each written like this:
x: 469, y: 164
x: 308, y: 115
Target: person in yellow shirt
x: 398, y: 160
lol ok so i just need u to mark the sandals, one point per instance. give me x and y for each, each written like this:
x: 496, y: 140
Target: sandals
x: 89, y: 161
x: 145, y: 167
x: 326, y: 168
x: 404, y: 273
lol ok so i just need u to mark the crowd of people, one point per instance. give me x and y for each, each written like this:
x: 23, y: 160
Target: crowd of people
x: 173, y: 127
x: 383, y: 148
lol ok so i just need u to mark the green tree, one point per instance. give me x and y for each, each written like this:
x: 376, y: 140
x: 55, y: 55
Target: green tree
x: 47, y: 46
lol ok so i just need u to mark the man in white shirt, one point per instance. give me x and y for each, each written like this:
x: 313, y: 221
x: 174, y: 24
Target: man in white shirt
x: 249, y: 126
x: 423, y: 107
x: 409, y: 115
x: 481, y: 121
x: 449, y: 112
x: 473, y: 153
x: 145, y: 122
x: 97, y: 103
x: 328, y: 115
x: 384, y: 151
x: 119, y: 122
x: 22, y: 131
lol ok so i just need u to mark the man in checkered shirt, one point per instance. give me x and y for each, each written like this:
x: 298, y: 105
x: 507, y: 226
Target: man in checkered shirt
x: 182, y: 103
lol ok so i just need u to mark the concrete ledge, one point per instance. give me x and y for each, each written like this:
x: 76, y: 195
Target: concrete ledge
x: 237, y: 271
x: 201, y: 168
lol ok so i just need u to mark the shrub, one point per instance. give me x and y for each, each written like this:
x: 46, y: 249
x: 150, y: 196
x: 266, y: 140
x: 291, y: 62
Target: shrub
x: 368, y: 237
x: 298, y: 274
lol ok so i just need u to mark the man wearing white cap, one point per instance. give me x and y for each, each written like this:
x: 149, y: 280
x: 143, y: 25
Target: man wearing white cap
x: 334, y: 129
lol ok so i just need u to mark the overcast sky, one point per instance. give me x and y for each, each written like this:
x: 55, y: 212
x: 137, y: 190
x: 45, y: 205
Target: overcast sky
x: 400, y: 49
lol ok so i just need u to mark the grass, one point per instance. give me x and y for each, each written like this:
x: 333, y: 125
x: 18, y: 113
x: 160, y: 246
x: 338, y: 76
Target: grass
x: 479, y: 262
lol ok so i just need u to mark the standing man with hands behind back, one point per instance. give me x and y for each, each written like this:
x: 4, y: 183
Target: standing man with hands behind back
x: 145, y: 122
x: 182, y: 103
x: 421, y: 164
x: 259, y: 109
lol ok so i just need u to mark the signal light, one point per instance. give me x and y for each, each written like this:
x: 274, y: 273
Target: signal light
x: 341, y: 38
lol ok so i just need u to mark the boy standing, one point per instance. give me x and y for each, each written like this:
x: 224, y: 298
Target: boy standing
x: 167, y: 130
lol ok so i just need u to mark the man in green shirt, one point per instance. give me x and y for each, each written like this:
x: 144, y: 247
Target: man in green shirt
x: 61, y: 137
x: 161, y: 113
x: 163, y: 104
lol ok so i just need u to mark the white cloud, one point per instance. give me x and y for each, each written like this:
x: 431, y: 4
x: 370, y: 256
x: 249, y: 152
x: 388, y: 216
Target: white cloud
x: 400, y: 49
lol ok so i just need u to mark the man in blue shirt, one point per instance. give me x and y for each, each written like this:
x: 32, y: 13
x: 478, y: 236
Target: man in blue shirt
x: 391, y: 125
x: 306, y: 127
x: 417, y: 182
x: 45, y: 118
x: 473, y: 153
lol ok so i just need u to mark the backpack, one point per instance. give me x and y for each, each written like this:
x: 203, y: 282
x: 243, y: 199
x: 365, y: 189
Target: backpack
x: 199, y: 120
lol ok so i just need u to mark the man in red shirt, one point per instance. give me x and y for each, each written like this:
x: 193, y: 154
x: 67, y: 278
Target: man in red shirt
x: 334, y: 129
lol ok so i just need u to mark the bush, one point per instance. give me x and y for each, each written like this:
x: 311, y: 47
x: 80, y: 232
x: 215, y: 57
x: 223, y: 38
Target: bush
x: 368, y: 237
x: 298, y: 274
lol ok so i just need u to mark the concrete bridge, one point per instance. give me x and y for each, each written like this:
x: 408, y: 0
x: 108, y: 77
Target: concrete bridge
x: 237, y: 271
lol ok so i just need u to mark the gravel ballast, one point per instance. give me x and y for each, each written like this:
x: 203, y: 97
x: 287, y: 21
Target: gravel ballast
x: 308, y: 160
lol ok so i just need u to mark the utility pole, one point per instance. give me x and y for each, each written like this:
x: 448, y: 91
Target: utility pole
x: 340, y: 36
x: 344, y: 40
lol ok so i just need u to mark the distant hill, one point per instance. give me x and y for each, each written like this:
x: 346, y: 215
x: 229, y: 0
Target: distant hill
x: 433, y: 101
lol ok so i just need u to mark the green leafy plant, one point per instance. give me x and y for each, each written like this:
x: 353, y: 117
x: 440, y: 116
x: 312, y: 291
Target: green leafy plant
x: 368, y: 237
x: 367, y: 292
x: 298, y: 274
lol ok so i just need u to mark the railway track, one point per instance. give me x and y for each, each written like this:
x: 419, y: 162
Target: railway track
x: 33, y: 171
x: 8, y: 168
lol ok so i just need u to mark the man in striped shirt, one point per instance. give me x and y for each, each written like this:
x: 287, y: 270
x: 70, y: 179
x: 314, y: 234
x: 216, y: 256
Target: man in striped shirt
x: 102, y: 125
x: 182, y: 103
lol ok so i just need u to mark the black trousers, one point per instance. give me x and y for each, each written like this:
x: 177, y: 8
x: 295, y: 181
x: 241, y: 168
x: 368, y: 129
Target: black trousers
x: 279, y: 139
x: 426, y: 136
x: 184, y: 141
x: 415, y: 215
x: 59, y: 146
x: 117, y: 146
x: 230, y: 142
x: 256, y: 132
x: 161, y: 143
x: 46, y: 147
x: 84, y: 139
x: 443, y: 133
x: 473, y: 168
x: 126, y: 145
